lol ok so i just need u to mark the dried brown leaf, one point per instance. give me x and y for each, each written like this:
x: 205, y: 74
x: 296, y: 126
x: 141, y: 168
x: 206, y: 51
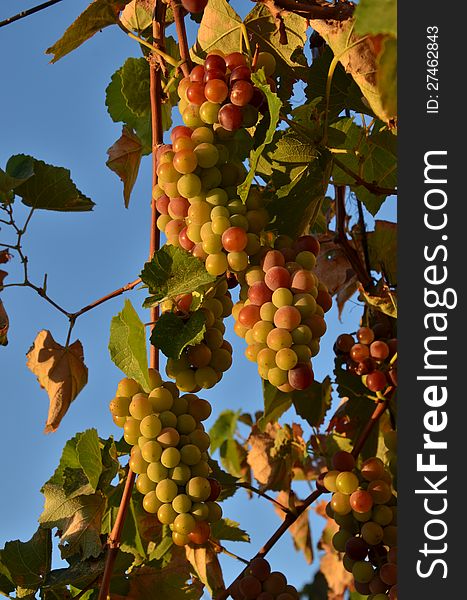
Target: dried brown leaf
x: 124, y: 159
x: 271, y: 467
x: 205, y: 561
x: 300, y: 530
x: 4, y: 323
x: 332, y: 266
x: 60, y: 371
x: 5, y: 256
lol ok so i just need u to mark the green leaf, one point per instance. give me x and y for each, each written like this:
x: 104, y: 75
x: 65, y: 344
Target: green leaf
x: 121, y: 112
x: 276, y: 403
x: 136, y: 85
x: 376, y: 16
x: 137, y: 15
x: 386, y: 77
x: 6, y: 582
x: 228, y: 530
x: 274, y: 105
x: 50, y: 188
x: 127, y: 345
x: 300, y: 194
x: 27, y: 563
x: 162, y: 548
x: 124, y: 159
x: 99, y: 14
x: 78, y: 520
x: 232, y: 455
x: 223, y: 429
x: 132, y: 534
x: 173, y: 271
x: 172, y: 334
x: 383, y: 300
x: 89, y: 456
x: 173, y: 582
x: 19, y: 168
x: 227, y: 481
x: 313, y: 403
x: 382, y: 249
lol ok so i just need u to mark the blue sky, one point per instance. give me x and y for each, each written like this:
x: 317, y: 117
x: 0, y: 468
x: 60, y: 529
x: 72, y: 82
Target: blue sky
x: 57, y: 114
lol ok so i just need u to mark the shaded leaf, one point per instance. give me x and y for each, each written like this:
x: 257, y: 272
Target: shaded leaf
x: 78, y: 520
x: 28, y: 562
x: 386, y: 76
x: 271, y: 462
x: 225, y: 529
x: 18, y: 169
x: 172, y: 334
x: 313, y: 403
x: 60, y: 371
x: 300, y: 530
x: 99, y: 14
x: 227, y: 481
x: 383, y: 300
x: 127, y: 345
x: 173, y: 271
x: 276, y: 403
x: 136, y: 85
x: 51, y: 188
x: 124, y: 159
x: 205, y: 562
x: 376, y: 17
x: 173, y: 581
x: 382, y: 249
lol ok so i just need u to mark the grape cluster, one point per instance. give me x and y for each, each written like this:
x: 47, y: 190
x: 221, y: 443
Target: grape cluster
x: 202, y: 365
x: 169, y: 455
x: 198, y: 173
x: 281, y: 315
x: 370, y: 358
x: 260, y: 583
x: 364, y: 506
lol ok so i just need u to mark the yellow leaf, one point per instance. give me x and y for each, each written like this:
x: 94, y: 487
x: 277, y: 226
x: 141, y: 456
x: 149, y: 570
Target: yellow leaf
x: 60, y: 371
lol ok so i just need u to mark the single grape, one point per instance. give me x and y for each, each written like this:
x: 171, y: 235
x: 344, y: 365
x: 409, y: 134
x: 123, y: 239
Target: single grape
x: 259, y: 293
x: 365, y: 335
x: 380, y: 491
x: 198, y: 489
x: 144, y: 485
x: 359, y: 352
x: 168, y: 437
x: 151, y: 451
x: 301, y: 377
x: 200, y: 534
x: 347, y: 482
x: 343, y: 461
x: 230, y: 117
x: 170, y: 457
x: 372, y: 533
x: 266, y: 61
x: 151, y: 502
x: 372, y: 469
x: 140, y: 406
x: 180, y: 474
x: 190, y: 455
x: 287, y: 317
x: 361, y: 501
x: 275, y: 583
x: 184, y: 523
x: 356, y: 548
x: 376, y: 381
x: 216, y: 91
x: 340, y: 503
x: 362, y: 571
x: 277, y: 277
x: 329, y: 481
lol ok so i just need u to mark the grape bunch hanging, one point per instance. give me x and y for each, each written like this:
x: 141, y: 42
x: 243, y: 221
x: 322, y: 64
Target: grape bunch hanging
x: 260, y: 583
x: 198, y: 173
x: 373, y: 359
x: 364, y: 506
x: 169, y: 455
x: 282, y: 314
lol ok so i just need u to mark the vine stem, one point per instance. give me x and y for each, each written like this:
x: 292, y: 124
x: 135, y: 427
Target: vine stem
x: 290, y: 518
x: 371, y: 187
x: 247, y: 486
x: 158, y: 25
x: 179, y: 18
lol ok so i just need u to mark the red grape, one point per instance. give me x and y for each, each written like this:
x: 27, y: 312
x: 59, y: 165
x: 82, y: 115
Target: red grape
x: 195, y: 93
x: 277, y: 277
x: 216, y: 91
x: 230, y: 117
x: 241, y: 73
x: 249, y: 315
x: 194, y: 6
x: 214, y: 61
x: 301, y: 376
x: 241, y: 93
x: 376, y: 381
x: 235, y: 59
x: 234, y: 239
x: 259, y: 293
x: 197, y: 74
x: 273, y: 258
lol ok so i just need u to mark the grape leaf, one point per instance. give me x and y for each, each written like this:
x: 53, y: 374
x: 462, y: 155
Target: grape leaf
x: 124, y: 159
x: 274, y: 106
x: 174, y: 582
x: 227, y: 481
x: 313, y: 403
x: 119, y: 111
x: 136, y: 85
x: 18, y: 169
x: 173, y: 271
x: 207, y: 568
x: 50, y: 188
x: 137, y: 15
x: 382, y: 249
x: 270, y: 456
x: 4, y: 321
x: 127, y: 345
x: 225, y: 529
x: 60, y: 371
x: 223, y: 429
x: 78, y: 520
x: 376, y: 16
x: 300, y: 530
x: 99, y: 14
x: 28, y: 563
x: 386, y: 76
x: 276, y: 403
x: 172, y: 334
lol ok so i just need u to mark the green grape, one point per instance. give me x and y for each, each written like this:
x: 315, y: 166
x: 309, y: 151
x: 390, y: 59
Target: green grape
x: 219, y: 211
x: 189, y: 185
x: 200, y: 511
x: 267, y: 358
x: 168, y: 437
x: 215, y: 512
x: 184, y: 524
x: 210, y: 178
x: 181, y: 474
x: 219, y: 225
x: 362, y: 571
x: 286, y: 359
x: 282, y: 297
x: 277, y: 376
x: 301, y: 335
x: 216, y: 264
x: 238, y: 220
x: 186, y: 424
x: 390, y: 536
x: 201, y: 469
x: 119, y: 406
x: 213, y: 338
x: 190, y: 455
x: 131, y: 430
x: 180, y: 407
x: 261, y: 330
x: 340, y: 538
x: 185, y: 380
x: 390, y: 441
x: 166, y: 514
x: 200, y: 439
x: 201, y: 135
x: 329, y: 481
x: 209, y: 111
x: 306, y: 259
x: 181, y: 503
x: 238, y: 261
x: 140, y: 406
x: 362, y: 517
x: 206, y: 377
x: 252, y: 351
x: 170, y: 457
x: 382, y: 514
x: 157, y: 472
x: 340, y: 503
x: 254, y: 275
x: 267, y: 312
x: 278, y: 339
x: 303, y: 352
x: 215, y: 306
x: 253, y: 244
x: 306, y: 304
x: 221, y: 360
x: 191, y: 116
x: 150, y: 426
x: 151, y: 502
x: 167, y: 173
x: 198, y: 489
x: 198, y: 408
x: 168, y: 419
x: 151, y: 451
x: 137, y: 462
x: 216, y: 197
x: 161, y: 399
x: 185, y: 161
x: 199, y: 212
x: 348, y: 563
x: 142, y: 440
x: 144, y: 485
x: 166, y: 489
x: 162, y: 221
x: 347, y: 482
x: 207, y: 155
x: 372, y: 533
